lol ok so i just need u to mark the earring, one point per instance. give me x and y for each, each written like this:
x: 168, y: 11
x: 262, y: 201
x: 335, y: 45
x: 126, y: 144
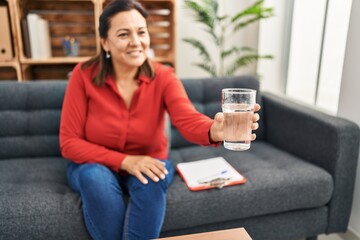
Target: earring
x: 108, y: 54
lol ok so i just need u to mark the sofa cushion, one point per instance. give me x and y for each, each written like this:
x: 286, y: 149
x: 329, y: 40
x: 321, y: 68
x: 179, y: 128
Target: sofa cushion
x: 30, y: 119
x: 35, y: 199
x: 29, y: 96
x: 277, y: 182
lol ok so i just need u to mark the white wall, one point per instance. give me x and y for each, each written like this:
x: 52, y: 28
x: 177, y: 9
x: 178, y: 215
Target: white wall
x: 294, y: 37
x: 305, y: 49
x: 274, y: 37
x: 350, y: 97
x: 335, y: 36
x: 187, y: 28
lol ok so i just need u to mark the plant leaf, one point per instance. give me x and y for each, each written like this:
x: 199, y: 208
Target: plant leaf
x: 223, y: 18
x: 206, y: 14
x: 213, y: 7
x: 229, y: 52
x: 247, y: 22
x: 248, y: 49
x: 207, y: 65
x: 208, y: 68
x: 203, y: 14
x: 236, y: 50
x: 198, y: 45
x: 243, y: 61
x: 248, y: 11
x: 214, y: 36
x: 253, y: 13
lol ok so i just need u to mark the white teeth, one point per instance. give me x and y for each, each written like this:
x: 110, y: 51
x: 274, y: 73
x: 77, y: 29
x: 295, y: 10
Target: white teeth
x: 134, y: 53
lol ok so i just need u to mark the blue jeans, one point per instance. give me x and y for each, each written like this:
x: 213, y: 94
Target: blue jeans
x: 119, y: 207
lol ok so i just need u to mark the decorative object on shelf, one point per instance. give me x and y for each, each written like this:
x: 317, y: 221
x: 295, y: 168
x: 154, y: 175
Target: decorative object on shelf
x: 219, y: 29
x: 151, y: 53
x: 71, y: 46
x: 68, y: 75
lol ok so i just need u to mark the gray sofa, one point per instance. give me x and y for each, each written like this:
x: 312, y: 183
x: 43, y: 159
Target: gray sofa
x: 300, y: 170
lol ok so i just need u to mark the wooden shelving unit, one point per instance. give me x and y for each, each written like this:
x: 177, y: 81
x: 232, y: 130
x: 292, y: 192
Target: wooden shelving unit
x: 78, y: 18
x: 11, y: 69
x: 162, y: 29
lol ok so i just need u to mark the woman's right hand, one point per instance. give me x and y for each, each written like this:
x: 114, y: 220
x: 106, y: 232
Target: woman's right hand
x: 138, y: 165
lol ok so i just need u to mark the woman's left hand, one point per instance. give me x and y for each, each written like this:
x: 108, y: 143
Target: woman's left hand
x: 217, y: 128
x: 139, y: 165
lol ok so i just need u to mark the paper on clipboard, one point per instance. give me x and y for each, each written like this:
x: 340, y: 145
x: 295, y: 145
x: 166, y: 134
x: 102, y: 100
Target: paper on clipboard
x: 201, y: 174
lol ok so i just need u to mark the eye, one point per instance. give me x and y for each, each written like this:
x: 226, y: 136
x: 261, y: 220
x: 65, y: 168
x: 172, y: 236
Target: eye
x: 123, y: 35
x: 142, y: 33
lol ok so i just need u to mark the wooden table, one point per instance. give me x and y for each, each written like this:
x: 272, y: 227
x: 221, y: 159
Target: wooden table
x: 230, y: 234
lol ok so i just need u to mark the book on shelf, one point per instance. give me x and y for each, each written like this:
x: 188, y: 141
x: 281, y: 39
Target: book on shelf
x: 39, y: 36
x: 209, y: 173
x: 25, y: 37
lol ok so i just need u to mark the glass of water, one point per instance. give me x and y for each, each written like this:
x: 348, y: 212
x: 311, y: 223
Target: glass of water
x: 238, y: 109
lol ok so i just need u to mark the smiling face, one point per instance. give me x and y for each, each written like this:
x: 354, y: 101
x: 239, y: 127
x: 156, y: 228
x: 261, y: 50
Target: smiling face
x: 128, y: 40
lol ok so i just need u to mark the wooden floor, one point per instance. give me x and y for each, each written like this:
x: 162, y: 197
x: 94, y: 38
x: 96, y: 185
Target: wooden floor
x: 330, y: 237
x: 349, y: 235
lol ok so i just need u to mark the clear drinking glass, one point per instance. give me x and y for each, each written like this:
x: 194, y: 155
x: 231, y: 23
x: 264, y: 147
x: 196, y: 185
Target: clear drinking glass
x: 238, y: 109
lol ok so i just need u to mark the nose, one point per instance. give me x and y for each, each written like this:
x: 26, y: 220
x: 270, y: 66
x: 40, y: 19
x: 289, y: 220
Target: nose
x: 135, y: 40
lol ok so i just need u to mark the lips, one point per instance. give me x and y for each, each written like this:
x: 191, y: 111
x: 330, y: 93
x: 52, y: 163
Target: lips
x: 135, y: 53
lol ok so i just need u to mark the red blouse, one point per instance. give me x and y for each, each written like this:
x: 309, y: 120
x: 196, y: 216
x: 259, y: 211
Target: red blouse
x: 97, y: 127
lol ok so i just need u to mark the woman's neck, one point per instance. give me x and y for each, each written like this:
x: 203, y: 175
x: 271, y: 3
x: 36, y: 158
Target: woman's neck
x: 124, y: 74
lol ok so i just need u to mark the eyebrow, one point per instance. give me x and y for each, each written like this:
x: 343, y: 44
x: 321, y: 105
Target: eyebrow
x: 126, y: 29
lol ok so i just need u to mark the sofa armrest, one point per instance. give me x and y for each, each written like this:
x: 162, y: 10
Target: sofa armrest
x: 329, y: 142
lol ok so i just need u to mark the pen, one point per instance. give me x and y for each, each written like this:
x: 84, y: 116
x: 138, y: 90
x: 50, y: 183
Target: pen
x: 213, y: 176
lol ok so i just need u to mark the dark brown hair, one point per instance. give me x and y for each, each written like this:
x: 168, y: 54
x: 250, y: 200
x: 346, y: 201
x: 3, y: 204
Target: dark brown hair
x: 105, y: 65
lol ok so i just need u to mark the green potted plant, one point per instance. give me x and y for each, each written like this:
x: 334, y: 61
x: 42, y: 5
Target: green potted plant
x: 229, y: 58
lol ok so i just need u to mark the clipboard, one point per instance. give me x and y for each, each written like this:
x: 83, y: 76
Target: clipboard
x: 209, y: 173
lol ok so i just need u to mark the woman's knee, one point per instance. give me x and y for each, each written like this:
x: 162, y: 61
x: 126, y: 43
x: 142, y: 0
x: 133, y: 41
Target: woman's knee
x: 151, y: 187
x: 93, y: 174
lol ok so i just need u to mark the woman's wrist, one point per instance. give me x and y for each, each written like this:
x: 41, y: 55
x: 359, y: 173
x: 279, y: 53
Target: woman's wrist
x: 212, y: 137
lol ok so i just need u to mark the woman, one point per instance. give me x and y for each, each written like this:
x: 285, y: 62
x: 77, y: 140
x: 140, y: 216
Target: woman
x: 112, y: 129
